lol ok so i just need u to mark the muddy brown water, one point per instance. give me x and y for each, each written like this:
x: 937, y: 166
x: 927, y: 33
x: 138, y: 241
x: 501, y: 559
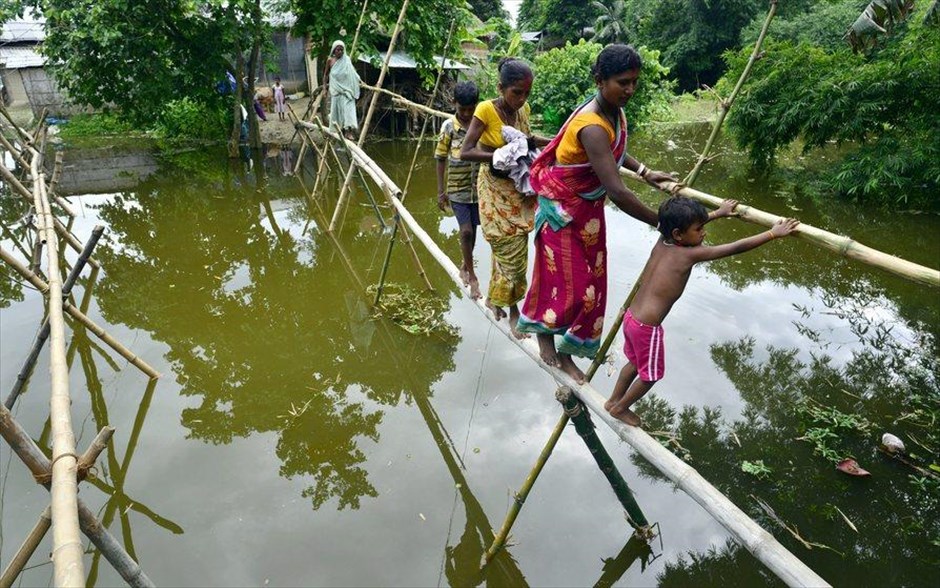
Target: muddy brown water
x: 295, y: 440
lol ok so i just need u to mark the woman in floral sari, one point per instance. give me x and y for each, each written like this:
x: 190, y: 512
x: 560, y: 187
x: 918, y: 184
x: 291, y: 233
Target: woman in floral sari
x: 572, y: 175
x: 506, y: 216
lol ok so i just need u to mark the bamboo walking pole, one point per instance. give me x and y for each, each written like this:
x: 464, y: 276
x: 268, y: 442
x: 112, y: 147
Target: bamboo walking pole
x: 840, y: 244
x: 67, y: 551
x: 414, y: 159
x: 726, y: 104
x: 78, y: 315
x: 365, y: 124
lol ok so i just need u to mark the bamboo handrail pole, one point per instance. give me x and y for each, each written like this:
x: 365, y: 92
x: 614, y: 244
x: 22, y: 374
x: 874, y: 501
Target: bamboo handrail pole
x: 37, y: 462
x: 17, y: 156
x: 391, y: 191
x: 726, y: 104
x: 747, y: 532
x: 23, y: 376
x: 368, y: 119
x: 78, y: 315
x: 399, y: 99
x: 414, y: 160
x: 26, y: 550
x: 67, y: 550
x: 36, y: 535
x: 362, y: 16
x: 844, y: 246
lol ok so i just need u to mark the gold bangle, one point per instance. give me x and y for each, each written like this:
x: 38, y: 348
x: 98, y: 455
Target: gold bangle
x: 772, y: 236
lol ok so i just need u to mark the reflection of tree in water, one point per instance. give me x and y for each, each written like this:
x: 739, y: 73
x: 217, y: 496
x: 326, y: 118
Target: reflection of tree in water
x: 256, y: 325
x: 897, y: 516
x: 14, y: 237
x: 728, y: 566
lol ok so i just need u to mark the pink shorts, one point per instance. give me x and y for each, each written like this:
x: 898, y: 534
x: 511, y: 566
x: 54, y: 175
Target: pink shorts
x: 643, y: 346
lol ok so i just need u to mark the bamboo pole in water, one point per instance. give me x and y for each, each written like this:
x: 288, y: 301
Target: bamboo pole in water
x: 34, y: 459
x: 726, y: 104
x: 842, y: 245
x: 414, y: 160
x: 67, y: 550
x: 368, y: 119
x: 78, y: 315
x: 44, y: 330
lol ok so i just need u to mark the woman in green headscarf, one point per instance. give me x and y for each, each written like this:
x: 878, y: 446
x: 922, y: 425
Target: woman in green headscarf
x: 342, y: 81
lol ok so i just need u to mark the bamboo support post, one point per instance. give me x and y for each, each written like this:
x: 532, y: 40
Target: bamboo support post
x: 414, y: 160
x: 726, y: 104
x: 748, y: 533
x: 27, y: 450
x: 17, y: 156
x: 78, y: 315
x: 43, y: 334
x: 67, y: 551
x: 578, y: 414
x: 26, y: 550
x: 368, y: 119
x: 57, y: 172
x: 24, y: 138
x: 362, y: 180
x: 842, y: 245
x: 362, y: 16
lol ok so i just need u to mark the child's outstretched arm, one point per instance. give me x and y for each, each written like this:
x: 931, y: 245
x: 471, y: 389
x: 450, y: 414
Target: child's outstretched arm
x: 725, y: 210
x: 781, y: 228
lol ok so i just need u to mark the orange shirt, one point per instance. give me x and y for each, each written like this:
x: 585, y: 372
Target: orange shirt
x: 570, y: 150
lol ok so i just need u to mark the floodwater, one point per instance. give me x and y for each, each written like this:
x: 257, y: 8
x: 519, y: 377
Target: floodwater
x: 295, y: 440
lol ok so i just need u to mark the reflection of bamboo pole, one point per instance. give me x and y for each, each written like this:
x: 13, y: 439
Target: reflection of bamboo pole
x: 67, y: 552
x: 34, y: 459
x: 368, y: 119
x: 844, y: 246
x: 747, y: 532
x: 414, y: 159
x: 726, y: 104
x: 76, y: 314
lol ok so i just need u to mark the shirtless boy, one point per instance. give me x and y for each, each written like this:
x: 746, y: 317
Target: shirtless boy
x: 682, y: 225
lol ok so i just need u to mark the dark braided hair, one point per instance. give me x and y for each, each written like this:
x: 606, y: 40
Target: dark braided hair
x: 679, y: 212
x: 615, y: 59
x: 512, y: 71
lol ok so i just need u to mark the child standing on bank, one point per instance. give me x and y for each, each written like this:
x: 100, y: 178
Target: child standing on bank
x: 279, y: 99
x: 461, y: 187
x: 682, y: 225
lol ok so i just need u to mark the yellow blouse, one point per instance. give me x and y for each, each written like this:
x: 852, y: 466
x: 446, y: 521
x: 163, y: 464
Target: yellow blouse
x: 570, y: 150
x: 492, y: 132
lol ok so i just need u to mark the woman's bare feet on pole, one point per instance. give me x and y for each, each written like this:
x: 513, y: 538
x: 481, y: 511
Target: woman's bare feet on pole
x: 474, y: 286
x: 514, y: 322
x: 498, y: 313
x: 465, y: 277
x: 568, y: 366
x: 547, y: 349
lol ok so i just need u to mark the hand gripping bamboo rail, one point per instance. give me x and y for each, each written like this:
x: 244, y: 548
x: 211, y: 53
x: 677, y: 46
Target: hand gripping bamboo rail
x: 844, y: 246
x: 748, y: 533
x: 67, y: 549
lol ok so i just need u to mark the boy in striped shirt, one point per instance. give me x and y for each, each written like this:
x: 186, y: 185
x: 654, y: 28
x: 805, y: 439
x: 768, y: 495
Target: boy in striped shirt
x: 461, y: 187
x: 682, y: 225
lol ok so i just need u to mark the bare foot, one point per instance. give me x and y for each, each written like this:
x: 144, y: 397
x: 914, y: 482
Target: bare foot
x: 465, y: 277
x: 608, y: 405
x: 498, y: 312
x: 547, y: 349
x: 628, y: 416
x: 513, y: 327
x: 568, y: 366
x: 474, y: 287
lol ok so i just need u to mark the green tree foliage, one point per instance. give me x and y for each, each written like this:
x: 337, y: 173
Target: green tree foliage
x: 487, y: 9
x: 693, y: 34
x: 563, y: 80
x: 611, y: 25
x: 563, y: 19
x: 885, y: 102
x: 822, y: 24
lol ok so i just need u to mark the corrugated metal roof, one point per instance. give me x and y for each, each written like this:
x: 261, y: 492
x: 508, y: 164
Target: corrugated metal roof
x: 402, y: 60
x: 531, y: 36
x: 13, y: 57
x: 25, y: 30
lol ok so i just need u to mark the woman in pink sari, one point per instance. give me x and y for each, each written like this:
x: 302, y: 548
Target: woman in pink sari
x: 568, y: 294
